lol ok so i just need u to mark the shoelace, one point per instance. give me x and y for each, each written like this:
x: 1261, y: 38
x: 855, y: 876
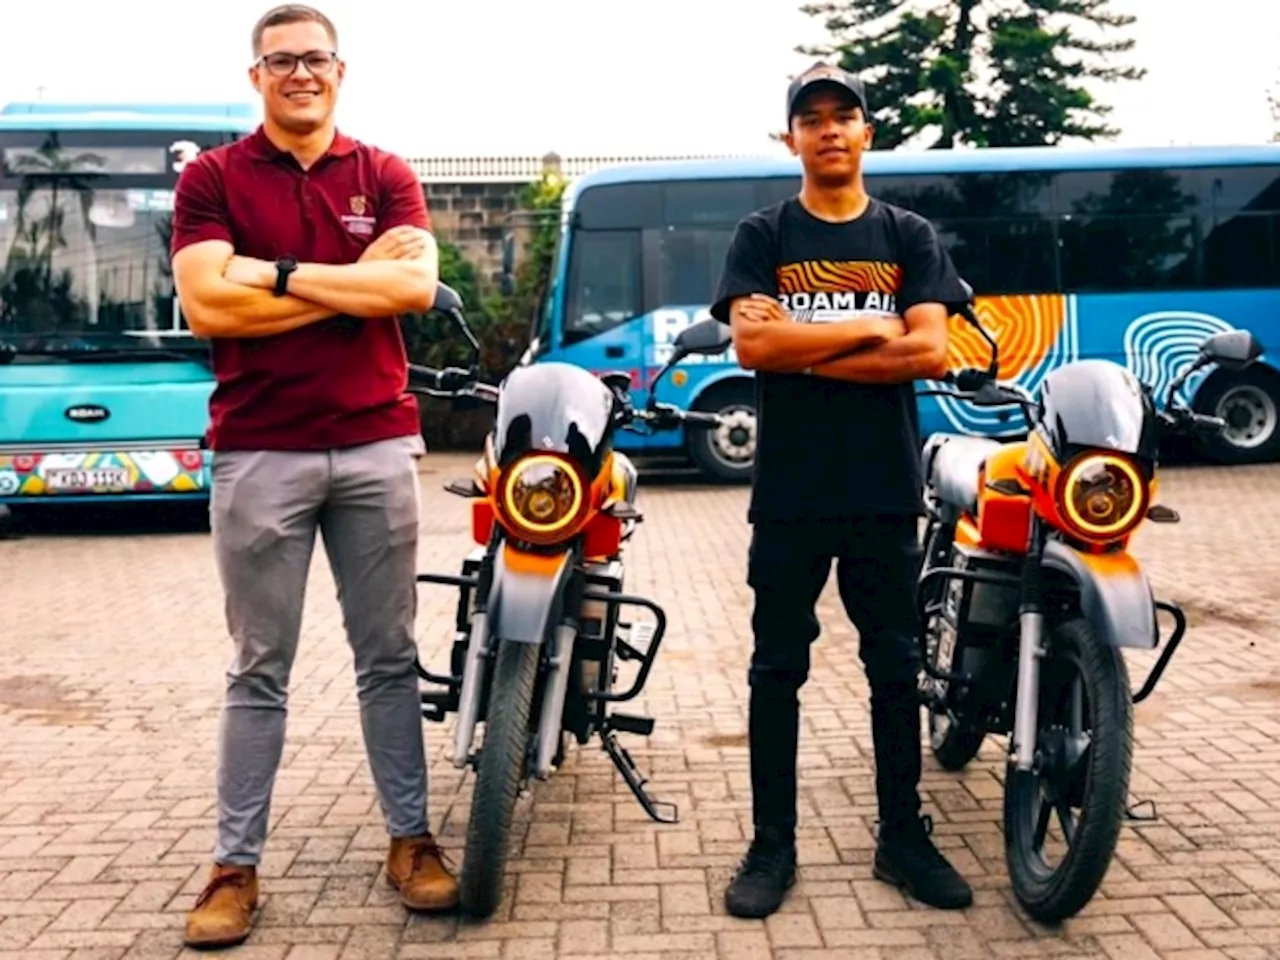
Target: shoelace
x: 428, y: 848
x: 220, y: 882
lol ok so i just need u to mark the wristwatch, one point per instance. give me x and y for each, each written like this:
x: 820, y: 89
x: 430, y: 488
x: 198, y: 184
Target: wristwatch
x: 284, y: 267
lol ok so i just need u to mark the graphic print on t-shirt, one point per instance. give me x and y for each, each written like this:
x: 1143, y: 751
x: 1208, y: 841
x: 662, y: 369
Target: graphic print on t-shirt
x: 829, y: 291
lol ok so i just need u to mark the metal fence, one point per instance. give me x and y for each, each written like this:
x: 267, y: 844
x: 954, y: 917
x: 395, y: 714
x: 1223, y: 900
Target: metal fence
x: 523, y: 169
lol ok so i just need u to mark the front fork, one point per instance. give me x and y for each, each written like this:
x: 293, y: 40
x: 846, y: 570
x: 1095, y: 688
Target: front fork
x: 1030, y: 652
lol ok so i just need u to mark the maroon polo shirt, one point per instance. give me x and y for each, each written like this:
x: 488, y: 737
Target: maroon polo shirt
x: 336, y: 383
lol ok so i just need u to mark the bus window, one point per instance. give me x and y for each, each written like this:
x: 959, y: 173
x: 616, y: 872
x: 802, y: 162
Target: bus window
x: 604, y: 282
x: 1003, y: 256
x: 1228, y: 191
x: 690, y: 264
x: 708, y: 202
x: 1241, y: 222
x: 1128, y: 253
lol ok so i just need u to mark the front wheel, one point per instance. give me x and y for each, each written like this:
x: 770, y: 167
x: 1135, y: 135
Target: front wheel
x: 1080, y: 777
x: 498, y: 777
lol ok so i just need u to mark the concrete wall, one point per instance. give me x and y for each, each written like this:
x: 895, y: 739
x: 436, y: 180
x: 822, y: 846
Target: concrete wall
x: 471, y: 216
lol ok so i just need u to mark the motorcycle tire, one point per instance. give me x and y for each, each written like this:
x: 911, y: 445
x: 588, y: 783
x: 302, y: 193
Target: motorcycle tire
x: 498, y: 776
x: 955, y: 745
x: 1050, y: 895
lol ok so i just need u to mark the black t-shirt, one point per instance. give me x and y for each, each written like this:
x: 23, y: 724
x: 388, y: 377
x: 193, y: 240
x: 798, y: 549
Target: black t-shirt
x: 827, y: 448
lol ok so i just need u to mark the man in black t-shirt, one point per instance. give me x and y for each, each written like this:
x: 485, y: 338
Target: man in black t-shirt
x: 838, y: 302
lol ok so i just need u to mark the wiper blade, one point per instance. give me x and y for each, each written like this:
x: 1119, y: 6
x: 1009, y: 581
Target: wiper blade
x: 9, y: 353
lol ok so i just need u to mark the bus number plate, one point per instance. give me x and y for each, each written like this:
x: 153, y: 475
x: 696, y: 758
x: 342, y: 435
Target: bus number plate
x: 95, y: 478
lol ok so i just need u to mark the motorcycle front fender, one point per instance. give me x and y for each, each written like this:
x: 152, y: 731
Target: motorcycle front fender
x: 527, y: 594
x: 1115, y: 595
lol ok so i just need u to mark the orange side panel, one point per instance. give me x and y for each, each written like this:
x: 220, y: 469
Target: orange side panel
x: 603, y: 537
x: 1004, y: 519
x: 481, y: 520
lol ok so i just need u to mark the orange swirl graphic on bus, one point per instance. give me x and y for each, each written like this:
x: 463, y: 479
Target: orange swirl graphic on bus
x: 1026, y: 327
x: 839, y: 276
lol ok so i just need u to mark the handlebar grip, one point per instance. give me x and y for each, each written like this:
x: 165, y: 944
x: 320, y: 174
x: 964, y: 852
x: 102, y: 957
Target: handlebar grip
x: 427, y: 377
x: 696, y: 416
x: 1207, y: 421
x: 970, y: 379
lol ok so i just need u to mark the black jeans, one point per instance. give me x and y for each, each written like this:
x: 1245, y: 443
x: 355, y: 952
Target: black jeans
x: 877, y: 563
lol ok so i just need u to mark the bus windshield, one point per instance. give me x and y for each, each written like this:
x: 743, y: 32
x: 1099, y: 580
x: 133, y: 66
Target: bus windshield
x: 84, y: 265
x: 84, y: 239
x: 639, y: 245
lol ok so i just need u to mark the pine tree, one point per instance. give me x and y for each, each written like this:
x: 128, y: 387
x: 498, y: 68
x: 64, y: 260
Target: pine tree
x: 981, y: 72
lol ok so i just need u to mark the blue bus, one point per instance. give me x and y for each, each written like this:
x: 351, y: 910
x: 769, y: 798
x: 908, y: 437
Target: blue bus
x: 1131, y: 254
x: 103, y: 390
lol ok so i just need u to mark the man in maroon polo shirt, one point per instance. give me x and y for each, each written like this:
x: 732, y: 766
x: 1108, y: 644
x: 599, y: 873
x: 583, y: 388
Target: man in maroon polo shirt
x: 293, y: 252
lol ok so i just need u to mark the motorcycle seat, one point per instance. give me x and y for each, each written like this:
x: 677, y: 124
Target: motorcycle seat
x: 951, y: 462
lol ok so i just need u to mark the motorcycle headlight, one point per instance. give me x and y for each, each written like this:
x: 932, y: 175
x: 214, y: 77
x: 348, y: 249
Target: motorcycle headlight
x: 1103, y: 496
x: 542, y: 497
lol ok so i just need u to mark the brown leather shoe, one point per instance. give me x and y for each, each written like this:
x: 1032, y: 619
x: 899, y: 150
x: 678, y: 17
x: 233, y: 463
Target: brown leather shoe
x: 415, y: 867
x: 223, y: 913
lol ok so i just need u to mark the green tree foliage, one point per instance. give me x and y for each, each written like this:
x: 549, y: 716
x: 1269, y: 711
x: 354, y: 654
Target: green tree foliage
x: 983, y: 72
x: 540, y: 205
x: 501, y: 323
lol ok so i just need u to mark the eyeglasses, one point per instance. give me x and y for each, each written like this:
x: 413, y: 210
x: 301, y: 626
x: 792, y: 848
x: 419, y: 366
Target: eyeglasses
x: 318, y: 62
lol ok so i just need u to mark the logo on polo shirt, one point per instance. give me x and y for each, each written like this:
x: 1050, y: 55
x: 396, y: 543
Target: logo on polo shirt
x: 357, y: 221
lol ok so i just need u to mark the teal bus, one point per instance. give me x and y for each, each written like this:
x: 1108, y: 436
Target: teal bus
x: 103, y: 390
x: 1135, y: 254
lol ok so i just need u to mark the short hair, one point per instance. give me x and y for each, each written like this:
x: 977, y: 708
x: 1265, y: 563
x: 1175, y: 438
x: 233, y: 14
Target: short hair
x: 291, y: 13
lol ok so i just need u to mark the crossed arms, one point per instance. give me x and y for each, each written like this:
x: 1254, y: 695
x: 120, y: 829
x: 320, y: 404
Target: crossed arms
x: 227, y: 295
x: 868, y: 350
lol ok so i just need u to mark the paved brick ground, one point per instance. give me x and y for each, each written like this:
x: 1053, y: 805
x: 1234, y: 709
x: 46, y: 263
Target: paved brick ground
x: 109, y: 692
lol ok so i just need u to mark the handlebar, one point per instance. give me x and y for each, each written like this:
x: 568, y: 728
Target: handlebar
x: 663, y: 416
x: 457, y: 381
x: 1182, y: 418
x: 449, y: 382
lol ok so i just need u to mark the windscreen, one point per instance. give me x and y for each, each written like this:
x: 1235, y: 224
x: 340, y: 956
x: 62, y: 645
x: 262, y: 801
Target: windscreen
x: 84, y: 240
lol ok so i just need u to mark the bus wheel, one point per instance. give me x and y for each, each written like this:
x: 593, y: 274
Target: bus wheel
x: 726, y: 453
x: 1250, y: 403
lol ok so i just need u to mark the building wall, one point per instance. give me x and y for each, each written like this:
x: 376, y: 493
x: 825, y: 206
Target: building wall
x: 472, y: 216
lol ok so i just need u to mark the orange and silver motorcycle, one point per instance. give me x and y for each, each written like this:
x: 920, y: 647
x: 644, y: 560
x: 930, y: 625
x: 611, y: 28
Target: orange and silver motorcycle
x: 1028, y: 595
x: 538, y: 637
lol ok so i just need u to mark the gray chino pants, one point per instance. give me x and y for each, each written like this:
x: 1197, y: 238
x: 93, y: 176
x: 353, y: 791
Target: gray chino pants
x: 266, y: 507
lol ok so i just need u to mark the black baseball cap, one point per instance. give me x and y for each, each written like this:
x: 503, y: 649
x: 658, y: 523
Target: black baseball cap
x: 823, y: 74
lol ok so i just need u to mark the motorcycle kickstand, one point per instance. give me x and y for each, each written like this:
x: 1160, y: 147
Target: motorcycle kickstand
x: 627, y: 768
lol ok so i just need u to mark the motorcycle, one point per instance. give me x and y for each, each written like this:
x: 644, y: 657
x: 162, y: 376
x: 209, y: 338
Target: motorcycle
x: 1028, y: 595
x: 538, y: 637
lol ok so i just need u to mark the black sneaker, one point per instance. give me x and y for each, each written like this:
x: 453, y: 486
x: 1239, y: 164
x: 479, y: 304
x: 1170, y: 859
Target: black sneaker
x: 767, y: 872
x: 907, y: 858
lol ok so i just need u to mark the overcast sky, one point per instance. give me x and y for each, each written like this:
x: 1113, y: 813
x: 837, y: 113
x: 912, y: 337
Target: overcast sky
x: 588, y: 77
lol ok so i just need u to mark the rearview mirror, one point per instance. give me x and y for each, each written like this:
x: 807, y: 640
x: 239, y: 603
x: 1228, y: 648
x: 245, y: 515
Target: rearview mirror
x: 1233, y: 349
x: 447, y: 299
x: 708, y: 337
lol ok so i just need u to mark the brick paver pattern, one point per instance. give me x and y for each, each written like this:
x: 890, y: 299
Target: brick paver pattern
x: 110, y: 687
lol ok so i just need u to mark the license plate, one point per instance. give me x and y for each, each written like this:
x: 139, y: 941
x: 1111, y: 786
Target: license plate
x: 93, y: 478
